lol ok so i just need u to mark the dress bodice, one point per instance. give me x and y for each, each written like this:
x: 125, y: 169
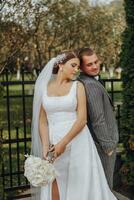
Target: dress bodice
x: 61, y: 108
x: 79, y: 172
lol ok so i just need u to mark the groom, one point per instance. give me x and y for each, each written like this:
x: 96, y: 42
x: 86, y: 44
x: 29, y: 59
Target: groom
x: 101, y: 119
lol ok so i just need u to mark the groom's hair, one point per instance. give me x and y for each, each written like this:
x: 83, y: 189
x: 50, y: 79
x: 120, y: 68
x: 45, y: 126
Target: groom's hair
x: 84, y: 52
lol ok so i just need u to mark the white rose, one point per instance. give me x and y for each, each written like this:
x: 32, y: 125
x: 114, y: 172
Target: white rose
x: 38, y: 172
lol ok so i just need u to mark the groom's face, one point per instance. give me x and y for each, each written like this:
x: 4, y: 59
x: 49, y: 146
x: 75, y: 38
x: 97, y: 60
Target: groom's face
x: 91, y: 65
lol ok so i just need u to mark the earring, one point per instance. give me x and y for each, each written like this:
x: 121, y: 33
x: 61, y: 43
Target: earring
x: 61, y: 69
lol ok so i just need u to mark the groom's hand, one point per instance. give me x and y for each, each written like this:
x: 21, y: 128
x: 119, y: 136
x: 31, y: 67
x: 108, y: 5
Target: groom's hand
x: 58, y: 149
x: 110, y: 153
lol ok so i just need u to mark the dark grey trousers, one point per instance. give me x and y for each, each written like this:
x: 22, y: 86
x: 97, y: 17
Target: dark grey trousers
x: 108, y: 163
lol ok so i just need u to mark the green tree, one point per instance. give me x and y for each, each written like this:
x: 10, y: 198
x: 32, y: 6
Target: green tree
x: 127, y: 63
x: 1, y: 162
x: 46, y: 27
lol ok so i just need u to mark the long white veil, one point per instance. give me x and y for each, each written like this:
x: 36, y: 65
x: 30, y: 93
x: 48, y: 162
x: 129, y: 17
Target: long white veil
x: 41, y: 81
x: 36, y: 147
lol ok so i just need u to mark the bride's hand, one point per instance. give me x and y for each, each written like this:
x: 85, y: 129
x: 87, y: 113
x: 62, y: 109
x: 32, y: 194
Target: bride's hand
x: 58, y: 149
x: 110, y: 153
x: 45, y: 152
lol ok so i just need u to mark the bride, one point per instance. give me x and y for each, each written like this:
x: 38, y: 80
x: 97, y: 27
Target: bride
x: 59, y: 119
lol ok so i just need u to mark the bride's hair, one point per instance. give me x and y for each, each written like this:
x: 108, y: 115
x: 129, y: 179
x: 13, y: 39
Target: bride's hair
x: 62, y: 58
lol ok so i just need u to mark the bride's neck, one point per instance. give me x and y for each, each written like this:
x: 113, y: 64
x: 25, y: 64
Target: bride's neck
x: 60, y: 79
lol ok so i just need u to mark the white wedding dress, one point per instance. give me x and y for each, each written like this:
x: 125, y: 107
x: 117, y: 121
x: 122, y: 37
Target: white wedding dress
x: 80, y: 175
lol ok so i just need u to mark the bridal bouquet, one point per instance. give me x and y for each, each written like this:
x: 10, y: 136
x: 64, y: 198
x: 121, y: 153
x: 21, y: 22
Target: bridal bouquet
x: 38, y: 172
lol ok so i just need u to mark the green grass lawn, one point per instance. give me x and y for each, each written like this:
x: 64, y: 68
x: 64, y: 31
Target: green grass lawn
x: 15, y: 157
x: 16, y: 120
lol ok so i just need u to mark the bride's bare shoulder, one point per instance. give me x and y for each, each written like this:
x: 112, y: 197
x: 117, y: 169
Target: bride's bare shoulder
x: 80, y: 85
x: 51, y: 82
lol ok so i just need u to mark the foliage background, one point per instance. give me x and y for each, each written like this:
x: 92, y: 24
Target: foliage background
x: 44, y: 28
x: 127, y: 63
x: 31, y: 33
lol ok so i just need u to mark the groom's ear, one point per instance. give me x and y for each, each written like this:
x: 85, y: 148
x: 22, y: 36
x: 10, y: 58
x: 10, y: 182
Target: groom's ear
x: 100, y: 61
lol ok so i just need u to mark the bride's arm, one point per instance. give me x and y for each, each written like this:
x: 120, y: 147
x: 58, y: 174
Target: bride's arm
x: 78, y: 124
x: 43, y: 131
x: 81, y: 115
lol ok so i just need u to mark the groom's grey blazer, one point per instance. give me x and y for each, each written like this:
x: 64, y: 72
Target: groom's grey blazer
x: 101, y: 122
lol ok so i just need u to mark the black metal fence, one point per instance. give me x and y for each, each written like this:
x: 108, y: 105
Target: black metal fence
x: 15, y: 128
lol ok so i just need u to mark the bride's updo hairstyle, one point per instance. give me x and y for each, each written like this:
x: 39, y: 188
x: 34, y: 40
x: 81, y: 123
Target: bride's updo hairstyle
x: 62, y: 58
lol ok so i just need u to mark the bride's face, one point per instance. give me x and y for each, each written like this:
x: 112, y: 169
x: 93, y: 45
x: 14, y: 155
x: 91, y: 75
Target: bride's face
x: 70, y: 68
